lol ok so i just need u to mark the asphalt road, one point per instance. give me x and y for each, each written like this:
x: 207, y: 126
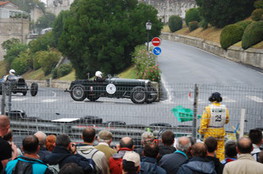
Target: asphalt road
x: 182, y: 66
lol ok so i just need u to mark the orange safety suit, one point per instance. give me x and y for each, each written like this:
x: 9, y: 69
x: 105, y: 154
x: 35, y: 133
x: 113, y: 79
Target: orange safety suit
x: 214, y: 117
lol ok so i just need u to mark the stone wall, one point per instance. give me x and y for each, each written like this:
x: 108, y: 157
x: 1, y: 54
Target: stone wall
x: 171, y: 7
x: 165, y: 8
x: 13, y: 28
x: 251, y: 56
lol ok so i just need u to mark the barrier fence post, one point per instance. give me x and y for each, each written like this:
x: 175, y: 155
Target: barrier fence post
x: 242, y: 122
x: 195, y: 112
x: 3, y: 99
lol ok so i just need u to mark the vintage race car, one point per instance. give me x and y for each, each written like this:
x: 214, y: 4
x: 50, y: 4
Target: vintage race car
x: 139, y: 91
x: 17, y: 84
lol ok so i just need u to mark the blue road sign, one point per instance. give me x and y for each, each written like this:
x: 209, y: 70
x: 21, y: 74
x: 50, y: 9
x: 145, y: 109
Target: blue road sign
x: 157, y: 51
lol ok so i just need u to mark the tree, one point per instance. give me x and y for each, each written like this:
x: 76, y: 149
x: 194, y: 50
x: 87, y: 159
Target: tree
x: 101, y: 35
x: 220, y: 13
x: 9, y: 43
x: 45, y: 21
x: 42, y: 43
x: 13, y: 53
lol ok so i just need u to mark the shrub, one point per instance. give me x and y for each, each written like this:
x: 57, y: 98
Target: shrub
x: 152, y: 73
x: 48, y: 60
x: 20, y: 65
x: 243, y: 24
x: 252, y: 34
x: 258, y: 4
x: 230, y: 35
x: 175, y: 23
x: 192, y: 15
x: 193, y: 25
x: 145, y: 64
x: 257, y: 14
x: 203, y: 24
x: 63, y: 70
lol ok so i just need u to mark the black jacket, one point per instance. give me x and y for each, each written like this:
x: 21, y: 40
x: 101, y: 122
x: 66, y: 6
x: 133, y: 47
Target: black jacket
x: 218, y: 165
x: 61, y: 156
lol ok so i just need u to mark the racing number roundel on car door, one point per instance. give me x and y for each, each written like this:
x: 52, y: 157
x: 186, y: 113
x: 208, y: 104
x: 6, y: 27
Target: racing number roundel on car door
x: 111, y: 88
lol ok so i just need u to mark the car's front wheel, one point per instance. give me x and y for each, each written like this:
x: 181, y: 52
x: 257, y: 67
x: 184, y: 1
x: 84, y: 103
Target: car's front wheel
x: 93, y: 98
x: 152, y: 95
x: 34, y: 89
x: 138, y: 95
x: 78, y: 93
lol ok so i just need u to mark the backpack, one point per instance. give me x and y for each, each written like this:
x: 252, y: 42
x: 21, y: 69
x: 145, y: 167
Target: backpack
x: 22, y: 167
x: 25, y: 167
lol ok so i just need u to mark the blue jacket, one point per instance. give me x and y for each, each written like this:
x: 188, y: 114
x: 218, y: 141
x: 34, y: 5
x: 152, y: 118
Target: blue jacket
x: 197, y: 165
x: 149, y: 166
x: 38, y: 167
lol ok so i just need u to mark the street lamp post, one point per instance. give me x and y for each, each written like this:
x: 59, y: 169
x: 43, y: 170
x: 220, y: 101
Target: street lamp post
x: 148, y: 29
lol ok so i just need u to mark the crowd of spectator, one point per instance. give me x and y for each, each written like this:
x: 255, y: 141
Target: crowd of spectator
x: 42, y: 154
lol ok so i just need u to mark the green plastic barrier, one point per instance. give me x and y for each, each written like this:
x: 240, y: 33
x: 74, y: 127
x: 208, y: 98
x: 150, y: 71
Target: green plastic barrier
x: 183, y: 114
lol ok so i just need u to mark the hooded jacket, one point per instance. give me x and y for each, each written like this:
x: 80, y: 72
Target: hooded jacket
x: 61, y: 156
x: 149, y: 166
x: 197, y: 165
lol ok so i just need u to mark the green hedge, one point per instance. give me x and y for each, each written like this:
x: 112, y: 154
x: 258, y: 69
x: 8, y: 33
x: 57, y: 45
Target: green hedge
x: 258, y: 4
x: 230, y: 35
x: 61, y: 71
x: 192, y: 15
x: 243, y: 24
x: 253, y: 34
x: 203, y: 23
x: 175, y: 23
x: 193, y: 25
x: 257, y: 14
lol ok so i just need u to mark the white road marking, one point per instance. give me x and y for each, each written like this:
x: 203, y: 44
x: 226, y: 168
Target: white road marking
x: 19, y: 99
x: 49, y: 100
x: 255, y: 98
x: 228, y: 100
x: 169, y: 96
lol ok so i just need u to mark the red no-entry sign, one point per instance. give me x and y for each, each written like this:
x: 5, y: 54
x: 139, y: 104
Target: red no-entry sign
x: 156, y: 41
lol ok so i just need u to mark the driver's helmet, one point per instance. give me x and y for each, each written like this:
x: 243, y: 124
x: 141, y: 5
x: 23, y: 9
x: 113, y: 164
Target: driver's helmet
x: 12, y: 72
x: 98, y: 74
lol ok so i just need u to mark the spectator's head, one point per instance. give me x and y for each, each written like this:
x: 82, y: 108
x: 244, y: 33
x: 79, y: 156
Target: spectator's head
x: 9, y: 135
x: 151, y: 150
x: 231, y: 149
x: 256, y: 136
x: 211, y: 144
x: 63, y: 140
x: 105, y: 136
x: 30, y: 144
x: 88, y: 135
x: 260, y: 157
x: 51, y: 142
x: 131, y: 162
x: 71, y: 168
x: 41, y: 138
x: 168, y: 138
x: 215, y: 97
x: 127, y: 142
x: 4, y: 125
x: 199, y: 150
x: 147, y: 138
x: 244, y: 145
x: 183, y: 144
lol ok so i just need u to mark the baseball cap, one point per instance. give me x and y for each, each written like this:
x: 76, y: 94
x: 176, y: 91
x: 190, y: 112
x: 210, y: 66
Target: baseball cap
x: 132, y: 157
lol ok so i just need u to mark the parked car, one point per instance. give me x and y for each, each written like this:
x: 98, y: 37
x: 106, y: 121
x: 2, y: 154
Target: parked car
x: 18, y: 85
x: 139, y: 91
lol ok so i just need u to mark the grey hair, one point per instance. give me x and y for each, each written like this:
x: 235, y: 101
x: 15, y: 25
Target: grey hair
x: 181, y: 145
